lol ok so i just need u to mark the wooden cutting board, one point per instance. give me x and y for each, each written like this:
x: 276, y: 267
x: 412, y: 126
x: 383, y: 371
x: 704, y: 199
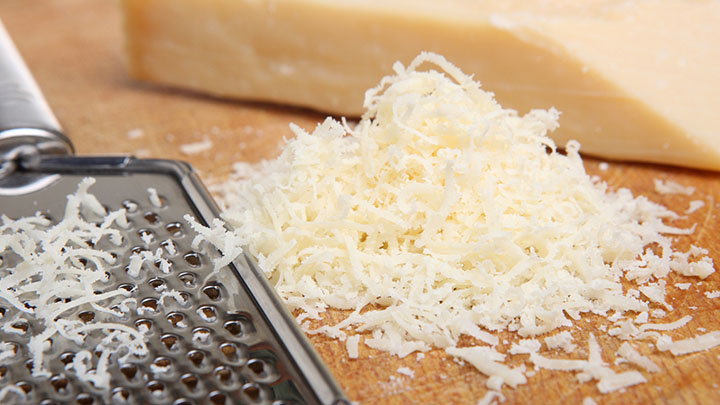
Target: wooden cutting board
x: 74, y: 48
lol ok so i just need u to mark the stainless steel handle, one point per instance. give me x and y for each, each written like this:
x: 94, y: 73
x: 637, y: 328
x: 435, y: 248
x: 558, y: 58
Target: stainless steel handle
x: 27, y: 125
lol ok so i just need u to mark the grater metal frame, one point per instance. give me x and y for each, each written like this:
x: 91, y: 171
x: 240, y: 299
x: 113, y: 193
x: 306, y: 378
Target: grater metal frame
x: 34, y: 154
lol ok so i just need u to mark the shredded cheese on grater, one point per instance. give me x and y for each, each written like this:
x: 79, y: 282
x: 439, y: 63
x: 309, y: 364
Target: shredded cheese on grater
x: 59, y: 271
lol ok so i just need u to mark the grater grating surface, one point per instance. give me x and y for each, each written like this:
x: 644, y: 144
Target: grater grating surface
x: 212, y: 337
x: 214, y: 348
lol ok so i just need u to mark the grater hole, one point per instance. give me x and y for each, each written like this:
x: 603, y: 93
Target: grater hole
x: 212, y: 292
x: 257, y: 367
x: 171, y: 342
x: 130, y: 205
x: 11, y: 346
x: 183, y: 401
x: 229, y: 350
x: 136, y: 250
x: 29, y: 365
x: 21, y: 325
x: 152, y: 217
x: 67, y: 358
x: 207, y: 313
x: 84, y: 399
x: 162, y: 362
x: 48, y: 345
x: 188, y: 278
x: 151, y: 305
x: 157, y: 283
x: 145, y: 326
x: 86, y: 316
x: 217, y: 398
x: 164, y: 265
x: 236, y: 328
x: 177, y: 319
x: 121, y: 395
x: 3, y: 372
x: 146, y: 235
x: 3, y: 311
x: 252, y: 391
x: 131, y: 288
x: 169, y: 247
x: 196, y: 357
x: 60, y: 384
x: 25, y: 386
x: 191, y: 382
x: 175, y: 229
x: 130, y: 371
x: 201, y: 335
x: 157, y: 389
x: 224, y: 375
x: 193, y: 259
x: 48, y: 402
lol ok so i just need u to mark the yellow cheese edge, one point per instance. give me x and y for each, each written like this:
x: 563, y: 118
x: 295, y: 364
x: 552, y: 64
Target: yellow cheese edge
x: 324, y: 54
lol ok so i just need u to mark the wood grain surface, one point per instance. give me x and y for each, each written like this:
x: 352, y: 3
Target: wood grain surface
x: 75, y: 50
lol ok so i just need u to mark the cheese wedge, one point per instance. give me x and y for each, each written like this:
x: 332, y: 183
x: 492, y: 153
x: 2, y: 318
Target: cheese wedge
x: 634, y: 80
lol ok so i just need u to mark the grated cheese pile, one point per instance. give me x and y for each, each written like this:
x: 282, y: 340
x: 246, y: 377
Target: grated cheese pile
x: 59, y: 271
x: 441, y: 214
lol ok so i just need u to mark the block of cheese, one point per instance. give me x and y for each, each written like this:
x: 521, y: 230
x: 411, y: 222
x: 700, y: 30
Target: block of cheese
x: 634, y: 80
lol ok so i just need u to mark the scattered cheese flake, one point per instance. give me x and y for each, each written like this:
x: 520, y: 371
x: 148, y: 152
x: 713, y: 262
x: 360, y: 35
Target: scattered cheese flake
x: 589, y: 401
x: 406, y: 371
x: 658, y: 313
x: 642, y: 317
x: 196, y: 147
x: 352, y: 346
x: 487, y: 361
x: 562, y: 340
x: 666, y: 326
x: 604, y: 166
x: 630, y: 354
x: 712, y: 294
x: 671, y: 187
x: 525, y: 346
x: 420, y: 356
x: 491, y: 398
x: 694, y: 206
x: 135, y: 133
x: 689, y: 345
x: 682, y: 286
x: 592, y: 368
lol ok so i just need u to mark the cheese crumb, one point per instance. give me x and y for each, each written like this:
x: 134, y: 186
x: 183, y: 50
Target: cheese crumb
x: 712, y: 294
x: 196, y: 147
x: 671, y: 187
x: 406, y: 371
x: 682, y: 286
x: 667, y: 326
x: 694, y: 206
x: 689, y: 345
x: 135, y: 133
x: 562, y: 340
x: 351, y: 344
x: 630, y: 354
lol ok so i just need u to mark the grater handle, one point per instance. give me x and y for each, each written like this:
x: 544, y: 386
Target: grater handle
x: 27, y: 125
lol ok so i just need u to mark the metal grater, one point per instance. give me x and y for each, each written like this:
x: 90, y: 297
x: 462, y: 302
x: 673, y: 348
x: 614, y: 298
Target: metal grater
x: 231, y: 342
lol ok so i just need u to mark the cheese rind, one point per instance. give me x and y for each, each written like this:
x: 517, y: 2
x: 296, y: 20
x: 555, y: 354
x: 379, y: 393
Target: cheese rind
x: 629, y: 85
